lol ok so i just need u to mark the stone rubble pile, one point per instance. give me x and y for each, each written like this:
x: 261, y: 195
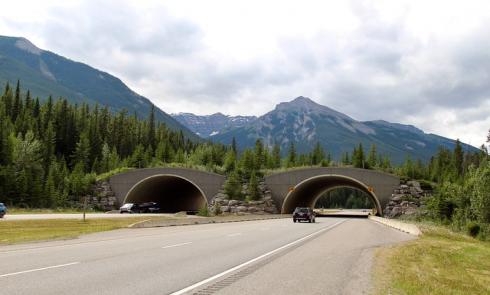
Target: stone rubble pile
x: 406, y: 200
x: 265, y: 205
x: 102, y: 197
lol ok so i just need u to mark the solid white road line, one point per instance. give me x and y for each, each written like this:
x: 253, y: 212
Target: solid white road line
x: 234, y: 235
x: 37, y: 269
x: 187, y: 289
x: 176, y: 245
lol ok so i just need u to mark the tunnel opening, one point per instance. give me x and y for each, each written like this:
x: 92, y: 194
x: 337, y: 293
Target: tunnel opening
x: 308, y: 192
x: 173, y: 193
x: 345, y: 201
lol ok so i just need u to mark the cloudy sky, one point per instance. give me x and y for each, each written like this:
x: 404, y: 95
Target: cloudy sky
x: 425, y: 63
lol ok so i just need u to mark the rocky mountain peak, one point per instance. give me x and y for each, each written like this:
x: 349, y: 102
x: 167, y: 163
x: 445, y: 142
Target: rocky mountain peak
x: 24, y: 44
x: 303, y: 104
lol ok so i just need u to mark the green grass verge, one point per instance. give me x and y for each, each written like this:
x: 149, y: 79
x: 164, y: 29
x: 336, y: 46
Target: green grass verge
x: 14, y: 210
x: 439, y: 262
x: 21, y: 231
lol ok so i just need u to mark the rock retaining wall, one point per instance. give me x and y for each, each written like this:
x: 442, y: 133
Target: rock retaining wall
x: 265, y: 204
x: 102, y: 197
x: 406, y: 200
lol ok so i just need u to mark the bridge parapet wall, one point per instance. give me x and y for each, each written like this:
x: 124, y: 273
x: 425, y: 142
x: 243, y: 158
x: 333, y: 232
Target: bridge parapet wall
x: 209, y: 183
x: 381, y: 183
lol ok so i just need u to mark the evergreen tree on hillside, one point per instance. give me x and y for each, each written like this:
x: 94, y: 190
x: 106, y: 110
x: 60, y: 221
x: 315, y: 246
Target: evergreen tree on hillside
x: 372, y: 157
x: 276, y: 156
x: 358, y: 159
x: 259, y: 156
x: 291, y: 159
x: 253, y: 187
x: 230, y: 161
x: 233, y: 186
x: 318, y: 154
x: 233, y: 146
x: 458, y: 156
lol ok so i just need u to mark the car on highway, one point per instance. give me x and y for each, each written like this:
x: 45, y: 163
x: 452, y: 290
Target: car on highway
x: 129, y: 208
x: 149, y: 207
x: 3, y: 210
x: 303, y: 213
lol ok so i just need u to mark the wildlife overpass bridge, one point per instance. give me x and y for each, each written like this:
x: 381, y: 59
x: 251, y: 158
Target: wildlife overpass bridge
x: 182, y: 189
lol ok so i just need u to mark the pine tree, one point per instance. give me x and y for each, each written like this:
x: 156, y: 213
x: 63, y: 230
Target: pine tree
x: 233, y: 186
x: 276, y: 156
x: 372, y: 156
x: 233, y: 146
x: 151, y: 127
x: 104, y: 164
x: 230, y: 161
x: 358, y: 159
x: 318, y: 154
x: 48, y: 146
x: 259, y: 155
x: 17, y: 106
x: 50, y: 190
x: 82, y: 152
x: 345, y: 159
x: 247, y: 162
x: 253, y: 187
x: 458, y: 156
x: 291, y: 160
x: 138, y: 158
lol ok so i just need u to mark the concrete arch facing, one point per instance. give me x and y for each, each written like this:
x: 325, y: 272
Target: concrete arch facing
x: 307, y: 192
x: 172, y: 192
x: 286, y: 186
x: 175, y: 189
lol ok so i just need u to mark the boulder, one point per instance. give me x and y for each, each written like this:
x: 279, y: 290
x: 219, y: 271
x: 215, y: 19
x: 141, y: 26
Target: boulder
x: 233, y: 202
x: 241, y: 209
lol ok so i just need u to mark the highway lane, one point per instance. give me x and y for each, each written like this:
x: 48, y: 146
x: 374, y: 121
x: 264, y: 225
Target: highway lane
x: 166, y: 260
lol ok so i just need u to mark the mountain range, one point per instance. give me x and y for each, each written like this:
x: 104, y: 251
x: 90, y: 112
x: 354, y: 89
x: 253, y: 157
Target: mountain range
x: 45, y: 73
x: 210, y: 125
x: 306, y: 122
x: 301, y: 121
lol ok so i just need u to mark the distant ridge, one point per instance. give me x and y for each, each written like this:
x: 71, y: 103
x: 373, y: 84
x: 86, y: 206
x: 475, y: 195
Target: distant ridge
x: 45, y: 73
x: 306, y: 122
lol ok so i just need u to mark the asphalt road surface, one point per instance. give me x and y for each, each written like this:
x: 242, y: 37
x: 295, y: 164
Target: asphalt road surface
x: 332, y: 256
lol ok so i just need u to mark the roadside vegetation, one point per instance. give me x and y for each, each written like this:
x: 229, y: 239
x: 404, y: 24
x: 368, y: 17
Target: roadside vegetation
x: 60, y: 210
x: 439, y: 262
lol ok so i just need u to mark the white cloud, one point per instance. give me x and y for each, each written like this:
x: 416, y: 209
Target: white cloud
x: 425, y: 63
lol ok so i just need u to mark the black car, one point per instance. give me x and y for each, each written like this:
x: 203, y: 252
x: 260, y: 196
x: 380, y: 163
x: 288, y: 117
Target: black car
x: 303, y: 213
x: 3, y: 210
x: 149, y: 207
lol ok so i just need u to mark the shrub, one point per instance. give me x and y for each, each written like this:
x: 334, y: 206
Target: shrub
x: 204, y: 211
x: 473, y: 229
x: 217, y: 209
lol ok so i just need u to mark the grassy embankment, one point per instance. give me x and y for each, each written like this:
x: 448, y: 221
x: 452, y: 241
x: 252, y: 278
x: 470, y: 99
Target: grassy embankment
x: 439, y: 262
x: 21, y: 231
x: 15, y: 210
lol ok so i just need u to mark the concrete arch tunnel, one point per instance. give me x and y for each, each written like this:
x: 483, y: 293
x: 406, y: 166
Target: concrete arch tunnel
x: 307, y: 192
x: 303, y: 187
x: 175, y: 189
x: 173, y: 193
